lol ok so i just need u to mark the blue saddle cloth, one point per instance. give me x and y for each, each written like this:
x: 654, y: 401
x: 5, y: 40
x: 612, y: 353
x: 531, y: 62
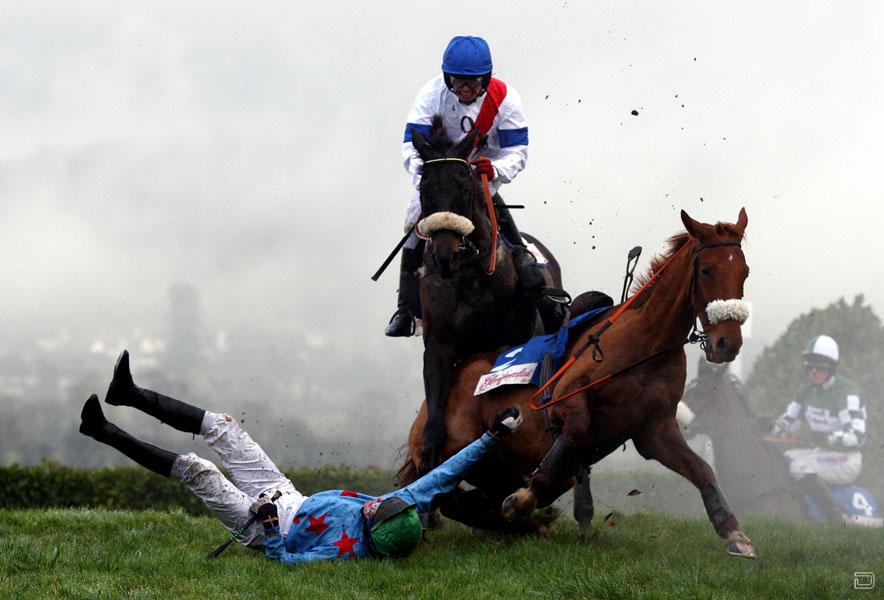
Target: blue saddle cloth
x: 521, y: 364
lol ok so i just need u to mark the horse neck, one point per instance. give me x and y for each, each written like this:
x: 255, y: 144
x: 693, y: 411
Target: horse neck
x: 668, y: 306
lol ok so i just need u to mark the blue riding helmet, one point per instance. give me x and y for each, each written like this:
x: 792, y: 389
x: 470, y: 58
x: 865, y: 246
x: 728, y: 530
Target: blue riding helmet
x: 467, y: 55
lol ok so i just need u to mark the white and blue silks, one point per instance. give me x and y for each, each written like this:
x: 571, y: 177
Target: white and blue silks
x: 507, y: 144
x: 521, y: 364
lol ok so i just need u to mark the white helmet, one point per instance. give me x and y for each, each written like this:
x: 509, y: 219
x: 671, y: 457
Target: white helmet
x: 822, y: 350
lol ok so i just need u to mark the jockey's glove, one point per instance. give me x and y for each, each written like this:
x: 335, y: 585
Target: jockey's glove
x: 265, y: 509
x: 505, y: 422
x: 484, y: 167
x: 779, y: 428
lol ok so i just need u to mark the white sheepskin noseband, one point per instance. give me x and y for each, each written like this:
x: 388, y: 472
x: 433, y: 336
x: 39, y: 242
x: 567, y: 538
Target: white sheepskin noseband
x: 727, y: 310
x: 447, y: 221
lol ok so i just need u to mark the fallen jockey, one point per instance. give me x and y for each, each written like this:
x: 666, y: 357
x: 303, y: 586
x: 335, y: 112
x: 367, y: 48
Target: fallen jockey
x: 262, y: 507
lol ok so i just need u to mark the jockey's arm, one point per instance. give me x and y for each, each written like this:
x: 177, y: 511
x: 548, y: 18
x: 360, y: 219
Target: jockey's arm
x: 446, y: 476
x: 420, y: 119
x: 789, y: 423
x: 512, y: 133
x: 852, y: 434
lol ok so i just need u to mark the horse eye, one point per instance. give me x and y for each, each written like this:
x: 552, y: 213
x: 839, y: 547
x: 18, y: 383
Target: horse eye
x: 706, y: 272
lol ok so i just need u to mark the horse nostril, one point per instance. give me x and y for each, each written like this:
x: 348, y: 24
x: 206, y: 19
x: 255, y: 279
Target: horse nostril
x: 721, y: 345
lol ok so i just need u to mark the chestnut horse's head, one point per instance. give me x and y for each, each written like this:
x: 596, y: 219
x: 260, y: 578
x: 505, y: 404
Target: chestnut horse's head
x: 448, y: 195
x: 719, y: 271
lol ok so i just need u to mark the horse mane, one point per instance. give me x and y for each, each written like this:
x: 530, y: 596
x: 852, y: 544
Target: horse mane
x: 677, y: 242
x: 439, y: 139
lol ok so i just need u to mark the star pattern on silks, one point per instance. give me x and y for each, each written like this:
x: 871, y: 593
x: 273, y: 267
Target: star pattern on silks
x: 319, y: 525
x: 345, y: 544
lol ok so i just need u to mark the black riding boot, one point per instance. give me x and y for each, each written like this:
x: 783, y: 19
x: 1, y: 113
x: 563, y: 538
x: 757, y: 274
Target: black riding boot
x: 529, y: 273
x: 123, y: 392
x: 402, y: 322
x: 817, y: 489
x: 93, y: 424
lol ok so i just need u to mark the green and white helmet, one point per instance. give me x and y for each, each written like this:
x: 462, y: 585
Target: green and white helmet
x: 822, y: 351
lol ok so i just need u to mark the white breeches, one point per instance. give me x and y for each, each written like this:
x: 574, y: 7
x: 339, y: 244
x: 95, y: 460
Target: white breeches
x: 835, y: 468
x: 253, y: 474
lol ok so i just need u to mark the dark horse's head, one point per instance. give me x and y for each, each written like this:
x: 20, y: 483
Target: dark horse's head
x: 719, y: 272
x: 449, y: 195
x: 713, y: 399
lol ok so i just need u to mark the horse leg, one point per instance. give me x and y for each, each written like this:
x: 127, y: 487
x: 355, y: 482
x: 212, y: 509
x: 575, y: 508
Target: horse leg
x: 438, y: 359
x: 584, y: 509
x: 662, y: 440
x: 480, y: 509
x: 550, y: 480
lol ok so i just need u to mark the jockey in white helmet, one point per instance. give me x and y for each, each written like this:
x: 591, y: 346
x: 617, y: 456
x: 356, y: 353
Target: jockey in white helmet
x: 832, y: 407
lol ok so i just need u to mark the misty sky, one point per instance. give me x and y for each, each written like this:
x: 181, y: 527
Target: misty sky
x: 253, y: 151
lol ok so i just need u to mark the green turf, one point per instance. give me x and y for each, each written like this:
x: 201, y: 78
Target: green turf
x: 81, y: 553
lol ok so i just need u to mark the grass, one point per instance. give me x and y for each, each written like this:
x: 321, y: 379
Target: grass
x: 97, y: 554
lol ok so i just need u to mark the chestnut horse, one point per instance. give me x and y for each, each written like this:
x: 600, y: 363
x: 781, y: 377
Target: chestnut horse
x: 700, y: 278
x: 753, y: 473
x: 470, y: 298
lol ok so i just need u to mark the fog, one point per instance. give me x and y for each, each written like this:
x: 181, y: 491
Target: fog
x: 250, y: 155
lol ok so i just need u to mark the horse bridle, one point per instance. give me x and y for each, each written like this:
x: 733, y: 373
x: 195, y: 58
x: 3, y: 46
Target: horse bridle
x: 468, y: 248
x: 593, y: 341
x: 469, y: 168
x: 697, y: 333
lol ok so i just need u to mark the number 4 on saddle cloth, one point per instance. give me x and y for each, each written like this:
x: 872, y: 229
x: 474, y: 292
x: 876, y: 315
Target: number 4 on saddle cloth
x: 522, y: 364
x: 855, y: 503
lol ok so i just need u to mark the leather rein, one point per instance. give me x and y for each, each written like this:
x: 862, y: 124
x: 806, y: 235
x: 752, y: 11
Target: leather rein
x: 489, y: 207
x: 593, y: 341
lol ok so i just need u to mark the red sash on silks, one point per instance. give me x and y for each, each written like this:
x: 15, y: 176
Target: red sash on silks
x: 494, y: 95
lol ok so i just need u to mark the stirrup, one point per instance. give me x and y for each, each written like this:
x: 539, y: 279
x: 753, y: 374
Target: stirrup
x: 556, y: 295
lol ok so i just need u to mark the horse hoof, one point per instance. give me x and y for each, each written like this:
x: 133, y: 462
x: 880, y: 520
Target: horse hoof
x: 739, y: 544
x: 518, y: 504
x: 431, y: 520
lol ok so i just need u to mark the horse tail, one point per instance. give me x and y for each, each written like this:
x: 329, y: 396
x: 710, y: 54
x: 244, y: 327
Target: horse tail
x: 407, y: 473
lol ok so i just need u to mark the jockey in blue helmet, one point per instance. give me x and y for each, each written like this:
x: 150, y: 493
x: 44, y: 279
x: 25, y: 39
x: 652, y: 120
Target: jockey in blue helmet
x: 458, y: 95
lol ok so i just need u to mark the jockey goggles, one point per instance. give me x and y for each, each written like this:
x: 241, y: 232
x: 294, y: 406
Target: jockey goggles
x: 457, y: 82
x: 818, y: 365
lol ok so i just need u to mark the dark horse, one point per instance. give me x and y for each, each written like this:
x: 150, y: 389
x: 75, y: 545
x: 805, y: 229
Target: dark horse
x: 753, y: 473
x: 471, y: 301
x: 700, y: 278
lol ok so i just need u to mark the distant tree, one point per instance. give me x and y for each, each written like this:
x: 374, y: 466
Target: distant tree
x: 777, y: 372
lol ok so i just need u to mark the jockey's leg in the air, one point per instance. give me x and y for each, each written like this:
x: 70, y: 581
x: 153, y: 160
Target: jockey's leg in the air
x: 94, y: 424
x: 122, y: 391
x: 402, y: 322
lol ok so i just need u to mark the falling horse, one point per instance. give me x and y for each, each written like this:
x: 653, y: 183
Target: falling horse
x: 470, y: 298
x: 626, y: 388
x: 753, y: 474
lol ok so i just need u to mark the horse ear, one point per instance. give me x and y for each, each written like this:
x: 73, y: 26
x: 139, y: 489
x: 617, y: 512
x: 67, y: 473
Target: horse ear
x: 742, y: 220
x: 692, y: 226
x: 465, y: 147
x: 420, y: 144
